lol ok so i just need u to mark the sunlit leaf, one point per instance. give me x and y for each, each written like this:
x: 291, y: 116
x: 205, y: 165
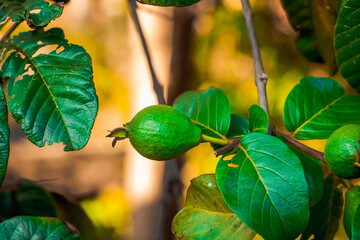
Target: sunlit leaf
x: 206, y: 215
x: 209, y: 109
x: 24, y: 228
x: 4, y: 136
x: 53, y: 104
x: 265, y: 186
x: 37, y: 13
x: 258, y: 119
x: 316, y: 107
x: 168, y: 3
x: 326, y: 214
x: 352, y: 213
x: 347, y: 44
x: 313, y: 174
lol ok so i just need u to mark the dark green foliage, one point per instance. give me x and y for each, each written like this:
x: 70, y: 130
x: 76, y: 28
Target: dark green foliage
x: 347, y: 44
x: 258, y: 119
x: 169, y: 3
x: 352, y: 213
x: 52, y: 104
x: 4, y: 136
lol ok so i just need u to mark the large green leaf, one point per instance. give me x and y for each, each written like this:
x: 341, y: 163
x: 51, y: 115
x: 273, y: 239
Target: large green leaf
x: 37, y: 13
x: 52, y: 95
x: 258, y: 119
x: 42, y: 228
x: 352, y: 213
x: 316, y: 107
x: 265, y: 186
x: 206, y: 215
x: 326, y: 214
x: 347, y: 44
x: 168, y: 3
x: 313, y: 174
x: 209, y: 109
x: 4, y: 136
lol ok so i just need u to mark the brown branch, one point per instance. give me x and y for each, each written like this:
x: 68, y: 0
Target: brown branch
x: 9, y: 32
x: 159, y: 90
x: 233, y: 144
x: 310, y: 151
x: 260, y: 77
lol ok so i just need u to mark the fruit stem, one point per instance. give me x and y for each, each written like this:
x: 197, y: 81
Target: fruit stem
x: 118, y: 134
x: 206, y: 138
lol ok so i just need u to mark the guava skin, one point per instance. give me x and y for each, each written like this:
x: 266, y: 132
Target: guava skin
x: 352, y: 202
x: 161, y: 132
x: 342, y: 151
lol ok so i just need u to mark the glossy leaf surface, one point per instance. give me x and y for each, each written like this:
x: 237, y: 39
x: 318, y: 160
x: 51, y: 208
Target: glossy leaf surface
x: 206, y: 215
x: 313, y: 174
x: 265, y: 186
x: 169, y: 3
x: 316, y: 107
x: 258, y: 119
x: 4, y: 136
x: 209, y: 109
x: 53, y: 104
x: 24, y: 228
x: 326, y: 214
x: 352, y: 213
x: 347, y: 44
x: 239, y: 126
x: 38, y: 13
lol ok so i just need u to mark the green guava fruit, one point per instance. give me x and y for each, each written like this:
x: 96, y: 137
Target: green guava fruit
x: 342, y: 152
x: 351, y: 210
x: 160, y: 132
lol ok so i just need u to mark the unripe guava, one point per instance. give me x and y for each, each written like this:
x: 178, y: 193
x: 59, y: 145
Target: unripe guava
x: 352, y: 203
x: 161, y: 132
x: 342, y: 151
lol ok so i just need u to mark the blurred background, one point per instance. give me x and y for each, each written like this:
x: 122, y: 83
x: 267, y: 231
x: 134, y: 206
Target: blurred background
x: 191, y: 48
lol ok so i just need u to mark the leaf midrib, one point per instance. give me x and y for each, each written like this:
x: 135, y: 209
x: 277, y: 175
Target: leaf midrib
x: 37, y: 70
x: 207, y: 127
x: 315, y: 115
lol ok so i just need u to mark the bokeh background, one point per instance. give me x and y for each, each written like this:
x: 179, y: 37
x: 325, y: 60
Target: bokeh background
x: 192, y: 48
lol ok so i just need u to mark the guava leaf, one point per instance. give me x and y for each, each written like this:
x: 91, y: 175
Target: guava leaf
x: 44, y: 228
x: 239, y: 126
x: 4, y: 136
x: 209, y: 109
x: 326, y: 214
x: 347, y: 44
x: 3, y: 19
x: 33, y: 200
x: 52, y: 95
x: 316, y: 107
x: 258, y: 119
x: 206, y: 215
x: 352, y: 213
x: 168, y: 3
x: 265, y: 186
x: 37, y: 13
x: 313, y: 174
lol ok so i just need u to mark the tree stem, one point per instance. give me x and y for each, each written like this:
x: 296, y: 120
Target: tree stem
x: 156, y: 85
x: 310, y: 151
x: 10, y: 31
x: 206, y: 138
x: 260, y: 77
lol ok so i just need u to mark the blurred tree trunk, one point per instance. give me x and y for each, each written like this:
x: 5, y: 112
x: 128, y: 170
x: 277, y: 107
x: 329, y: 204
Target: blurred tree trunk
x: 180, y: 75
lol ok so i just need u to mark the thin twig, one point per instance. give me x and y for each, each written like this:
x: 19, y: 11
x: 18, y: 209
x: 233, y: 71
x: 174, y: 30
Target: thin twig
x: 312, y: 152
x: 157, y: 86
x: 233, y: 144
x: 260, y: 77
x: 9, y: 32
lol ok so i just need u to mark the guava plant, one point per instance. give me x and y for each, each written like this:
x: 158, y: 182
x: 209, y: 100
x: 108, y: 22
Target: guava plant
x: 266, y: 182
x: 51, y: 94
